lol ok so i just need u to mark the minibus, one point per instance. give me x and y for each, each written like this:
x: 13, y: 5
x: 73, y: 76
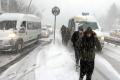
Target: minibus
x: 18, y: 30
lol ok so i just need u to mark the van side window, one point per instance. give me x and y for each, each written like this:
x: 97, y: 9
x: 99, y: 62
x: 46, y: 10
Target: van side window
x: 37, y: 25
x: 33, y: 25
x: 29, y: 25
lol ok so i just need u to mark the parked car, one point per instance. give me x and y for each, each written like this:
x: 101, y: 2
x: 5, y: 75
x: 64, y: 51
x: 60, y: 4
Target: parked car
x: 115, y: 33
x: 50, y: 29
x: 44, y: 32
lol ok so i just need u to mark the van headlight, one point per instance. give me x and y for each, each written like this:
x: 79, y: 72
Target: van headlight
x: 45, y: 33
x: 12, y: 35
x: 102, y: 38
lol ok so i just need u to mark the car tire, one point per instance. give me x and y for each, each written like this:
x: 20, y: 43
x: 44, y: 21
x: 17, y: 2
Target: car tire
x: 19, y: 46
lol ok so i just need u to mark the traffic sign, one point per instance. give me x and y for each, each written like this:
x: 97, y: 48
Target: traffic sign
x: 55, y: 11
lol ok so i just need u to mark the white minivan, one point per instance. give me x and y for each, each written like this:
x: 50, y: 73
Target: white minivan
x: 86, y: 21
x: 18, y: 30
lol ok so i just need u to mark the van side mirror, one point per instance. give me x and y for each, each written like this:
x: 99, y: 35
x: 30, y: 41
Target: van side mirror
x: 22, y: 30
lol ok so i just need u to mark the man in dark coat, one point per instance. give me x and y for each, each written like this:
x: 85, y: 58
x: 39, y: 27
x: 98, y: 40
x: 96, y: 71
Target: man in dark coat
x: 67, y: 36
x: 87, y: 45
x: 76, y: 35
x: 63, y: 32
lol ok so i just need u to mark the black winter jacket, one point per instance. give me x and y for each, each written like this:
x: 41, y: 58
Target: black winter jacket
x: 75, y: 37
x: 87, y: 47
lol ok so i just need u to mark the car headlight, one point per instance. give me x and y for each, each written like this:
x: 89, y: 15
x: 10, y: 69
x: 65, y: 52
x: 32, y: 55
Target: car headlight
x: 46, y: 33
x: 12, y: 35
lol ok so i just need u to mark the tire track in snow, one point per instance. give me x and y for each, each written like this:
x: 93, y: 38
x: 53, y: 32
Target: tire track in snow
x: 24, y: 53
x: 106, y: 69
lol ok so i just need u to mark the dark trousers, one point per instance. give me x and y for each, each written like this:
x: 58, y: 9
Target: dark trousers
x: 86, y: 68
x: 77, y: 55
x: 63, y: 40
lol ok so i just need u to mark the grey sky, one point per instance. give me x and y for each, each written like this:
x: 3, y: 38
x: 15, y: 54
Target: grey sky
x: 71, y: 8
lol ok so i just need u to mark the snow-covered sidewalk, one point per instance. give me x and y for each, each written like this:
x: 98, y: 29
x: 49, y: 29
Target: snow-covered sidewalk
x: 59, y: 64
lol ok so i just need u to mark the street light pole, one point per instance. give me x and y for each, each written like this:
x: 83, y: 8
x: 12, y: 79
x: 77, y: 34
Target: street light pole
x: 54, y: 28
x: 29, y: 6
x: 55, y: 12
x: 8, y: 5
x: 0, y: 6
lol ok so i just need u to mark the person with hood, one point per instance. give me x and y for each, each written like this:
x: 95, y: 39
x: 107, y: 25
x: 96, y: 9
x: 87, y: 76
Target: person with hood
x: 63, y: 32
x: 88, y: 45
x: 67, y: 36
x: 76, y: 35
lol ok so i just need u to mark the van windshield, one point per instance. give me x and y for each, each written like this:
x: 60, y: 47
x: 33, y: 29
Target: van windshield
x: 86, y: 24
x: 7, y: 25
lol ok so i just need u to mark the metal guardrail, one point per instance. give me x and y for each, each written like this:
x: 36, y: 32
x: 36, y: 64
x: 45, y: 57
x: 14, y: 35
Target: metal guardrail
x: 112, y: 40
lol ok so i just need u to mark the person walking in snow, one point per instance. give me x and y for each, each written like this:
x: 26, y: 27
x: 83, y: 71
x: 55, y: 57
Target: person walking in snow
x: 67, y: 36
x: 88, y: 45
x: 63, y: 32
x: 76, y: 35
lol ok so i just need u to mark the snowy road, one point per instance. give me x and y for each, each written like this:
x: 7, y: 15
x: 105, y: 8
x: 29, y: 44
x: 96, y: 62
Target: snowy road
x: 108, y: 63
x: 112, y: 55
x: 7, y: 59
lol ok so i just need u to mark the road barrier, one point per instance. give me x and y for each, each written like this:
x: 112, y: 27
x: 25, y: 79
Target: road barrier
x: 113, y: 40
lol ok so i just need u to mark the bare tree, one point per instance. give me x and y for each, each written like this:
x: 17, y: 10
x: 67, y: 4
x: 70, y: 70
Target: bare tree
x: 24, y: 8
x: 19, y: 6
x: 109, y: 19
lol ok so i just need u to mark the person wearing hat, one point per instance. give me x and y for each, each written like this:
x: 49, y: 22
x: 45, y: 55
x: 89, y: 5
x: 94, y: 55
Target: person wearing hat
x: 76, y: 35
x: 88, y: 45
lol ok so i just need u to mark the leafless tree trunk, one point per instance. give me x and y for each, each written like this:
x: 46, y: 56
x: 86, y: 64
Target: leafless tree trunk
x: 18, y: 6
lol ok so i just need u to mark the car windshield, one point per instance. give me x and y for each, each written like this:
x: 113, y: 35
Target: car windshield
x: 86, y: 24
x: 7, y: 25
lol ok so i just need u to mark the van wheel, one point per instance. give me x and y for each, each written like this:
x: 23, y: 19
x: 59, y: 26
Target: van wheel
x: 19, y: 46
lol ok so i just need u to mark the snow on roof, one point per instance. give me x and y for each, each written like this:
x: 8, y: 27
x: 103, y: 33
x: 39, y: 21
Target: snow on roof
x: 18, y: 16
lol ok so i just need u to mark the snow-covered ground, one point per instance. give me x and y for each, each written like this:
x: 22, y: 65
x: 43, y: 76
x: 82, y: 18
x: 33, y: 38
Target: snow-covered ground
x: 6, y: 58
x: 56, y: 62
x: 59, y: 65
x: 23, y: 69
x: 112, y: 51
x: 106, y: 33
